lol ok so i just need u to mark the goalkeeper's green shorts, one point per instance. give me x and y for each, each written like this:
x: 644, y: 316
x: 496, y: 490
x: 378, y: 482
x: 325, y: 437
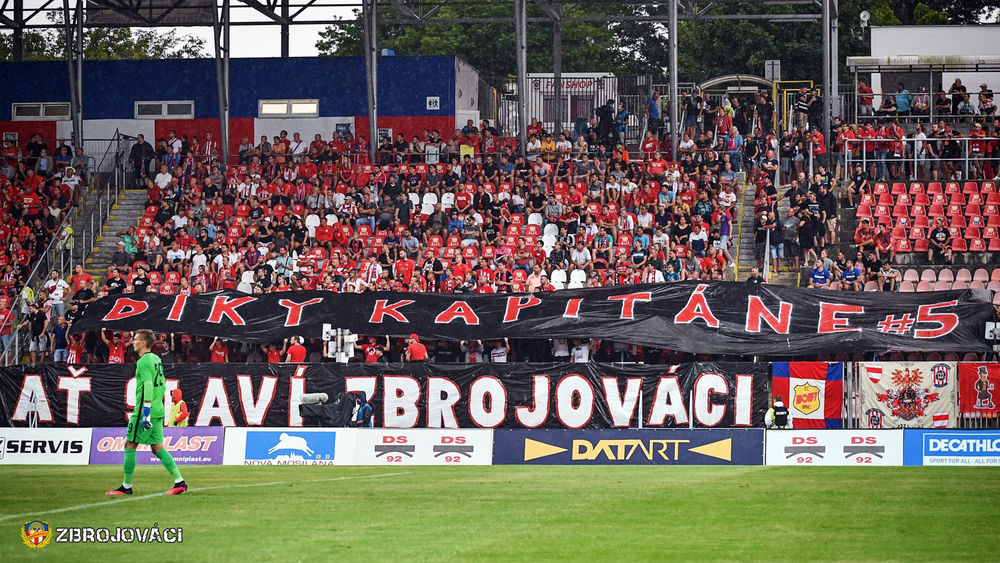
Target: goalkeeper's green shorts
x: 136, y: 433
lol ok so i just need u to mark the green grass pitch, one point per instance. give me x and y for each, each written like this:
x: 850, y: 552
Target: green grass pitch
x: 511, y: 513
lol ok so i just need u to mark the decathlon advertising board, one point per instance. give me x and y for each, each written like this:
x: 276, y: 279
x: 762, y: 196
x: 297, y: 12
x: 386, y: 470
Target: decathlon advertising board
x: 288, y: 446
x: 387, y: 446
x: 951, y: 447
x: 834, y: 447
x: 44, y: 446
x: 629, y: 447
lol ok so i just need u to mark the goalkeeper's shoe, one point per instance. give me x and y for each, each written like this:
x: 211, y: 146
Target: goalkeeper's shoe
x: 178, y: 488
x: 122, y: 490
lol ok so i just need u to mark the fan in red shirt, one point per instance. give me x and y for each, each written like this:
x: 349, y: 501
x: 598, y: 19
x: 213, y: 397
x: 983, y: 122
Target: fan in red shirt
x: 415, y: 351
x: 117, y: 347
x: 373, y: 351
x: 296, y: 352
x: 220, y: 351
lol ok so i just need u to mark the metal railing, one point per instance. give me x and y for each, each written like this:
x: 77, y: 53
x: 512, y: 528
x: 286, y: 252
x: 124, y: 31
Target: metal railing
x: 75, y: 240
x: 910, y: 160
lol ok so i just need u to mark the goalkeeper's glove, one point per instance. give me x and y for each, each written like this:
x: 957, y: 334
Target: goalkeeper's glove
x: 146, y: 423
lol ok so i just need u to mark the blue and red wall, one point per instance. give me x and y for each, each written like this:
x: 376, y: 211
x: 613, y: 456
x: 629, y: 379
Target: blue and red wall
x: 111, y: 88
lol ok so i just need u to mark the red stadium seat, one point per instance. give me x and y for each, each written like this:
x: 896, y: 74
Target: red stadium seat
x: 970, y: 188
x: 898, y: 188
x: 959, y: 245
x: 881, y: 188
x: 868, y: 199
x: 886, y: 200
x: 918, y: 233
x: 903, y: 245
x: 906, y: 287
x: 934, y: 188
x: 990, y: 233
x: 972, y: 232
x: 882, y: 211
x: 921, y: 245
x: 976, y: 199
x: 989, y: 187
x: 864, y: 210
x: 942, y: 286
x: 928, y: 275
x: 956, y: 199
x: 917, y: 188
x: 977, y: 245
x: 946, y: 276
x: 924, y: 286
x: 921, y: 199
x: 981, y: 275
x: 952, y: 188
x: 904, y: 199
x: 958, y: 221
x: 939, y: 199
x: 935, y: 211
x: 911, y: 276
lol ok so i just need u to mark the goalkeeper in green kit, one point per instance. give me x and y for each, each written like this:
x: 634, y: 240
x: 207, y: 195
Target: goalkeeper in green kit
x: 146, y: 424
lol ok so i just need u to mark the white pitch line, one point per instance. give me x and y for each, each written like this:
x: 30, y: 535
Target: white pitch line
x: 142, y: 497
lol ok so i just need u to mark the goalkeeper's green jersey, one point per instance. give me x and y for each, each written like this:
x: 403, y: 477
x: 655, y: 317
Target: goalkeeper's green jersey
x: 149, y: 369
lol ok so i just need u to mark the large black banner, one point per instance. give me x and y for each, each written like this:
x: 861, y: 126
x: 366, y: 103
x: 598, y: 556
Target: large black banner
x: 407, y: 395
x: 713, y: 318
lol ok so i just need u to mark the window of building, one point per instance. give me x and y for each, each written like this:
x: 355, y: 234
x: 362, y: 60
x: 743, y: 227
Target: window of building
x: 288, y: 108
x: 40, y: 111
x: 174, y: 109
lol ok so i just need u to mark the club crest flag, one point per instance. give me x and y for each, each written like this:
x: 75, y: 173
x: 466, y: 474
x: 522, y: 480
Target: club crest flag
x: 813, y: 392
x: 909, y: 395
x: 979, y: 387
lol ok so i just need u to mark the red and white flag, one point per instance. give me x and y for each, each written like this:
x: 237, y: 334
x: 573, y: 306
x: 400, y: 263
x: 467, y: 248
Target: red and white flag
x: 941, y: 420
x: 874, y: 372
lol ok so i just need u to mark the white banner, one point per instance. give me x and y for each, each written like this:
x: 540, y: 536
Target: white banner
x: 834, y: 447
x: 289, y: 446
x: 909, y: 394
x: 44, y: 446
x: 448, y: 446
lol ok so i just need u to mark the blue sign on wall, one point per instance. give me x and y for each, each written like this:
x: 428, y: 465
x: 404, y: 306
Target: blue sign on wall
x: 629, y: 447
x: 951, y: 447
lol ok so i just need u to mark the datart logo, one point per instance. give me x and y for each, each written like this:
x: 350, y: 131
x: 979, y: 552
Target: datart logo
x: 36, y: 534
x: 806, y: 398
x: 629, y: 448
x: 283, y: 448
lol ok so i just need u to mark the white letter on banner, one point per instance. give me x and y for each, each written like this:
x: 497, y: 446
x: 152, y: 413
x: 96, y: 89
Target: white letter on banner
x: 705, y: 412
x: 667, y: 401
x: 482, y: 387
x: 296, y: 387
x: 33, y: 389
x: 744, y: 400
x: 570, y: 416
x: 399, y: 401
x: 254, y: 412
x: 621, y: 408
x: 441, y: 410
x: 535, y: 417
x: 73, y: 387
x: 215, y: 404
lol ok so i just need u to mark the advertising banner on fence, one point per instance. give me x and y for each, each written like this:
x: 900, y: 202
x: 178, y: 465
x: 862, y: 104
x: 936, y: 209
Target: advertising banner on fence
x: 44, y: 446
x: 289, y: 446
x: 813, y: 391
x: 188, y: 446
x: 698, y: 317
x: 909, y: 395
x: 629, y: 447
x: 378, y: 446
x: 979, y: 387
x: 834, y: 447
x: 414, y: 395
x: 952, y: 447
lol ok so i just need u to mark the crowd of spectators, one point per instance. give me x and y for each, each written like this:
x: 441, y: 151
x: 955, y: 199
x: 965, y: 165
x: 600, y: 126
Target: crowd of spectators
x: 463, y: 212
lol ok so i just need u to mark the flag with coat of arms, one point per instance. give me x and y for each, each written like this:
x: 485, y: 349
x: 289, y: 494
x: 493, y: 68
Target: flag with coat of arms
x: 813, y: 392
x: 909, y: 394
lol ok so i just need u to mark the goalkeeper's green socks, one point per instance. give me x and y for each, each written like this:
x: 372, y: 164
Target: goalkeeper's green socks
x: 168, y: 462
x: 129, y: 468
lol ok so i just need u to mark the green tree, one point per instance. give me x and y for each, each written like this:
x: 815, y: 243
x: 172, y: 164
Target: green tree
x: 107, y: 44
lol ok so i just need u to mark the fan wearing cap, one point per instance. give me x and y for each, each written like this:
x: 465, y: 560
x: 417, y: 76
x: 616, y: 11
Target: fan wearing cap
x: 415, y: 351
